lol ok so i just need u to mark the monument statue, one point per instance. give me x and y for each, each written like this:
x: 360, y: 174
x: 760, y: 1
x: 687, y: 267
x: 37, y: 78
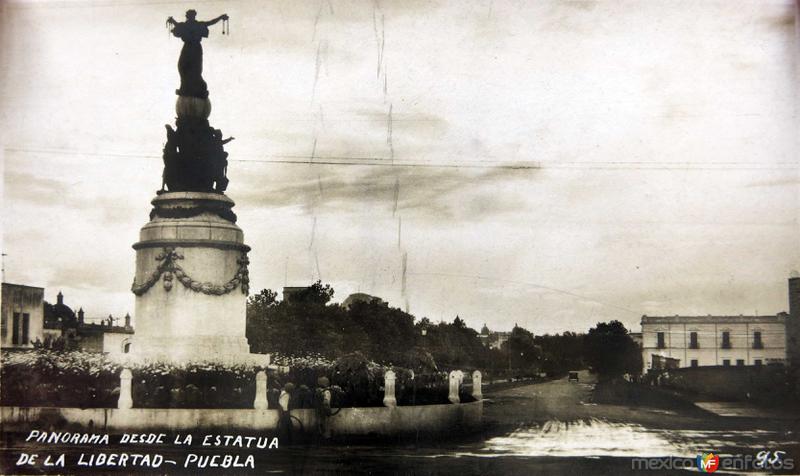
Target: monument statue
x: 194, y: 156
x: 190, y: 63
x: 192, y: 280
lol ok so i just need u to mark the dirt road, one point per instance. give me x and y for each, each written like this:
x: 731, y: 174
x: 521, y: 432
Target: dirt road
x: 558, y: 419
x: 570, y: 401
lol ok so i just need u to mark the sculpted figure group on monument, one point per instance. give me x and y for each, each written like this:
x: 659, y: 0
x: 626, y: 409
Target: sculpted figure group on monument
x: 194, y: 155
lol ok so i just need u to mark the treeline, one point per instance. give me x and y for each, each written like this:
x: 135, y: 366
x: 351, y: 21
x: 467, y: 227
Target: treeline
x: 307, y: 322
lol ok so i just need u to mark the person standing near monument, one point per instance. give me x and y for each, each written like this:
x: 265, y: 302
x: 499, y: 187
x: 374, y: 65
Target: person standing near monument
x: 322, y: 403
x: 285, y: 418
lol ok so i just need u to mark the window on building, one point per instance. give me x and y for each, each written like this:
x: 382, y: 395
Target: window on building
x: 694, y: 363
x: 26, y: 327
x: 661, y: 343
x: 126, y: 348
x: 726, y: 362
x: 15, y: 329
x: 758, y: 362
x: 726, y: 340
x: 693, y: 340
x: 757, y: 344
x: 739, y: 362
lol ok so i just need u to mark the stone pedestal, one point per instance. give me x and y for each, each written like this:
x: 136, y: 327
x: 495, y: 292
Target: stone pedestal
x: 192, y: 282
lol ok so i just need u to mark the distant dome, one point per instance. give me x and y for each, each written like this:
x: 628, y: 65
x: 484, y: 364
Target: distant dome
x: 360, y: 297
x: 64, y: 312
x: 59, y: 314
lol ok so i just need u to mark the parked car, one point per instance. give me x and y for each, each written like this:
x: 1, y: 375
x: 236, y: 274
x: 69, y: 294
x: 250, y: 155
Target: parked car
x: 573, y: 376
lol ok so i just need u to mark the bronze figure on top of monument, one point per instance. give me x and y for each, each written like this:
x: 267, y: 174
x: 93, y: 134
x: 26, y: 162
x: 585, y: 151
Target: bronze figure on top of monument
x: 194, y: 156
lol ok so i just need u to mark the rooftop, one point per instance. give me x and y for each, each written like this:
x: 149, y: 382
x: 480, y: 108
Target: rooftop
x: 709, y: 319
x: 22, y: 286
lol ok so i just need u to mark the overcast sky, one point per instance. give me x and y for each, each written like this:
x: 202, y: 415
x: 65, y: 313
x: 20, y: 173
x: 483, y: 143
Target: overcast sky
x: 553, y: 164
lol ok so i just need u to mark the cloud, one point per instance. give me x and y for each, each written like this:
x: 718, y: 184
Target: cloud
x: 426, y: 191
x: 94, y: 276
x: 33, y: 183
x: 780, y: 182
x: 780, y: 22
x: 27, y: 187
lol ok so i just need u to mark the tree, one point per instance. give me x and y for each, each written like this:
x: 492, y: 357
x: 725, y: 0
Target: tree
x: 561, y: 352
x: 385, y: 333
x: 258, y: 327
x: 522, y: 351
x: 610, y: 351
x: 314, y: 294
x: 258, y: 303
x: 453, y: 344
x: 308, y: 322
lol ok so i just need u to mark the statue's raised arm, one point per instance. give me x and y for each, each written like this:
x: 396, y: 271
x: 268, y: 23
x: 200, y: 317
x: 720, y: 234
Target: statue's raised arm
x: 216, y: 20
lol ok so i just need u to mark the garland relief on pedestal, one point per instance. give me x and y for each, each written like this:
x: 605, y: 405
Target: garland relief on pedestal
x: 169, y: 270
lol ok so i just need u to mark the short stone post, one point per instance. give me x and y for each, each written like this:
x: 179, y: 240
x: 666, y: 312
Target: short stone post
x: 389, y: 399
x: 125, y: 399
x: 454, y: 384
x: 477, y: 392
x: 260, y: 403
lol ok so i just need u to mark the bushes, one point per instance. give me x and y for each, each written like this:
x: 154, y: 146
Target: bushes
x: 193, y: 386
x: 361, y: 380
x: 81, y: 379
x: 424, y: 389
x: 47, y: 378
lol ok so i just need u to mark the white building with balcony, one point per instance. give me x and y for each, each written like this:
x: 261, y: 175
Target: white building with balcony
x: 714, y: 340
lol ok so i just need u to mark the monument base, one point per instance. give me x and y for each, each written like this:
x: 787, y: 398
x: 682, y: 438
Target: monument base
x: 184, y: 350
x: 192, y: 283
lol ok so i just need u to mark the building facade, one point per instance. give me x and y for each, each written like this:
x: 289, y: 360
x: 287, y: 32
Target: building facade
x: 793, y: 323
x: 697, y: 341
x: 493, y: 340
x: 104, y: 336
x: 77, y: 332
x: 22, y: 319
x: 636, y: 337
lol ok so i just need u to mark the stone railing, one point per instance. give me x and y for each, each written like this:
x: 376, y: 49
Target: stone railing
x: 389, y: 420
x: 455, y: 379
